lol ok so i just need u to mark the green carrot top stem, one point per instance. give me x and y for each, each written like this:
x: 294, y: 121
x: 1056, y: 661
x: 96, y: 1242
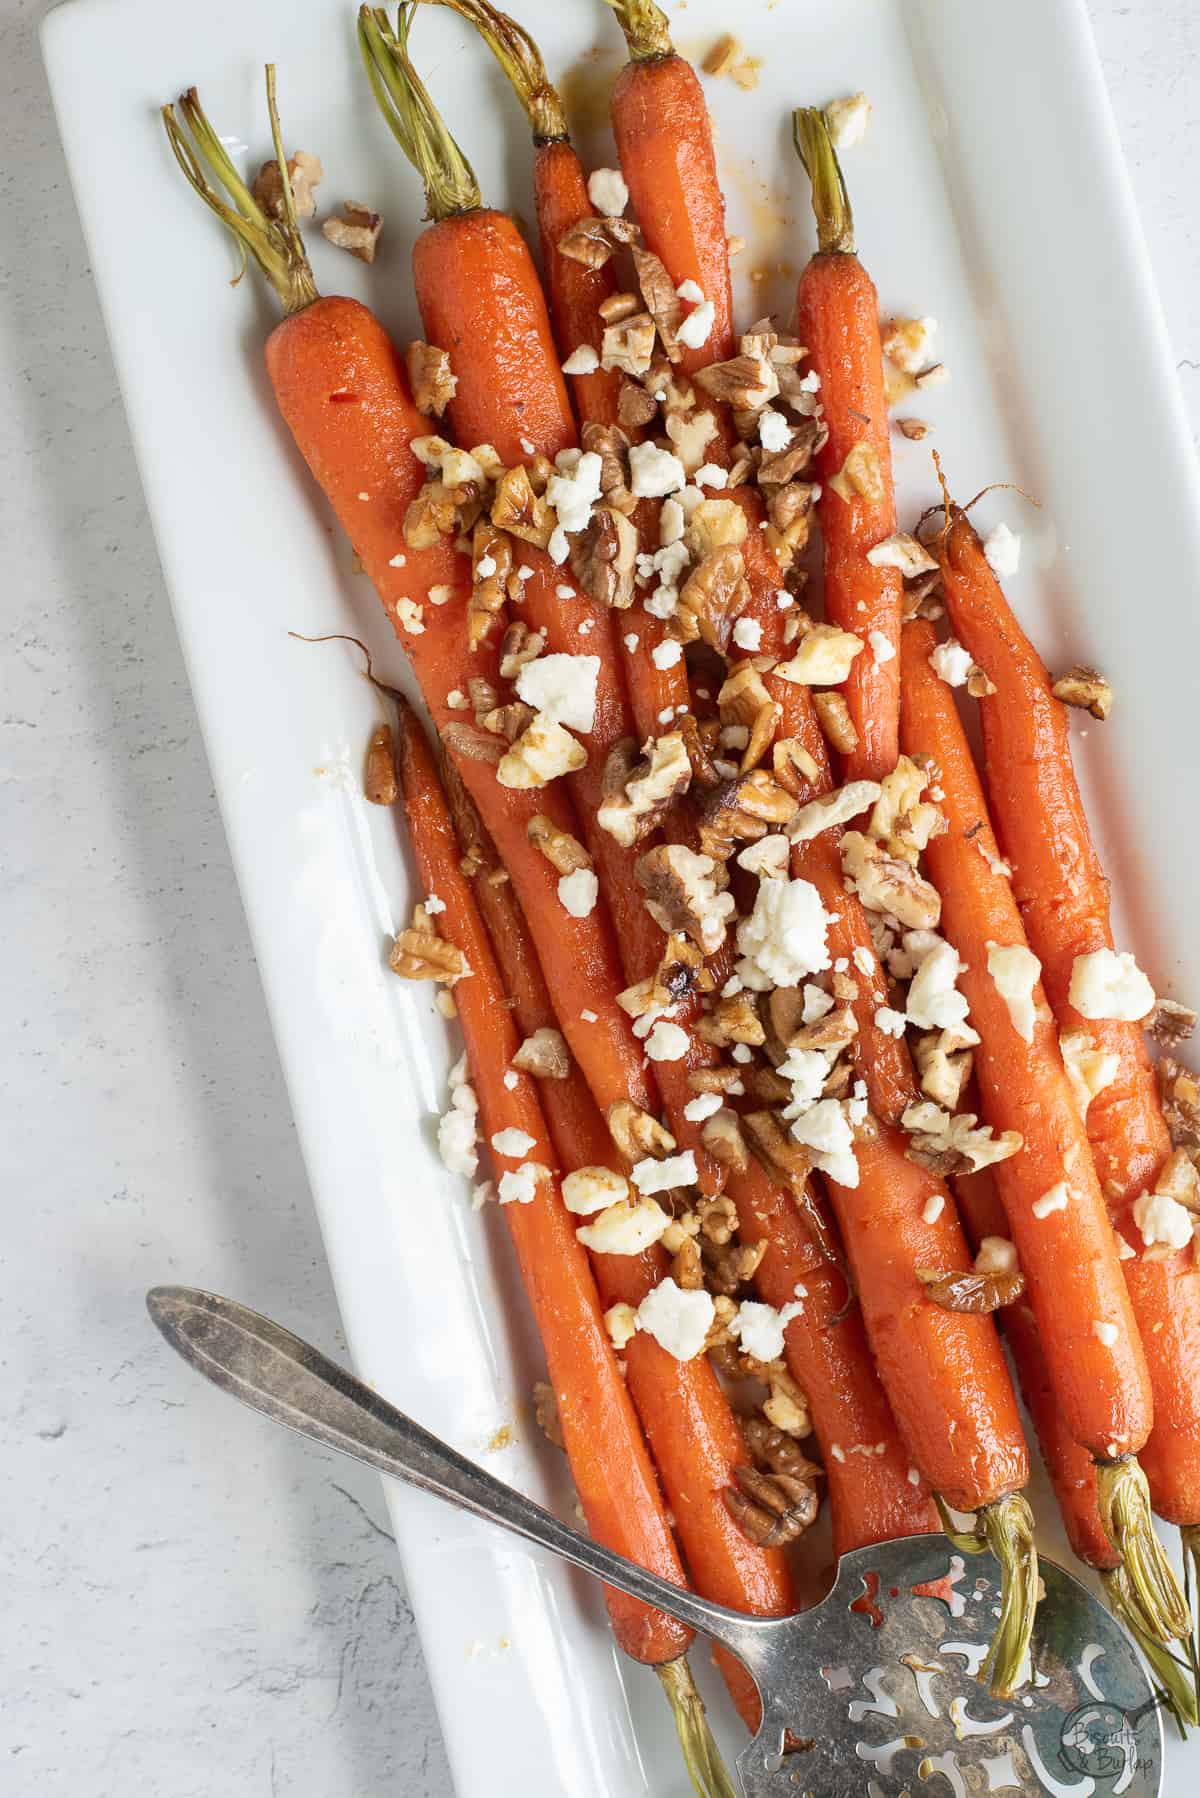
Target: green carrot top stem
x: 830, y: 201
x: 1006, y: 1528
x: 275, y: 244
x: 418, y: 127
x: 521, y: 61
x: 647, y: 30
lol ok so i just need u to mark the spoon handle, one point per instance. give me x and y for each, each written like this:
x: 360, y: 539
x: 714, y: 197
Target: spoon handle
x: 288, y: 1380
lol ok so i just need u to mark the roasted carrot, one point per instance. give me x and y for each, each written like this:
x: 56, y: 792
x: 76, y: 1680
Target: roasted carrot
x: 1067, y: 1249
x: 694, y: 1437
x: 837, y: 318
x: 1064, y: 901
x: 664, y: 141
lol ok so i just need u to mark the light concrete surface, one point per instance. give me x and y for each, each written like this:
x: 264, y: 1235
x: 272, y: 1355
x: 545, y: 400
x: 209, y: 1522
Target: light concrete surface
x: 195, y: 1604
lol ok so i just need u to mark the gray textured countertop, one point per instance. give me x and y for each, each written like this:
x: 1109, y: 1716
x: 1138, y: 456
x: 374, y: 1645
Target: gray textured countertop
x: 216, y: 1610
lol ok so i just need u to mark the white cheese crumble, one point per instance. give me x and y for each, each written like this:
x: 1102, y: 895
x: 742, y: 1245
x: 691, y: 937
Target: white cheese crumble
x: 890, y: 1022
x: 807, y: 1070
x: 847, y: 120
x: 784, y: 938
x: 951, y: 662
x: 520, y: 1188
x: 590, y: 1189
x: 578, y: 892
x: 512, y: 1142
x: 711, y: 474
x: 1055, y: 1199
x: 650, y: 1176
x: 433, y: 904
x: 667, y: 1042
x: 934, y: 1002
x: 1104, y: 1332
x: 774, y: 431
x: 825, y: 1129
x: 607, y: 192
x: 631, y: 641
x: 589, y: 1017
x: 542, y: 752
x: 864, y: 960
x: 1161, y: 1218
x: 908, y: 342
x: 747, y: 633
x: 882, y: 647
x: 671, y: 523
x: 679, y: 1320
x: 620, y: 1320
x: 458, y: 1128
x: 704, y: 1105
x: 625, y: 1228
x: 562, y: 688
x: 933, y: 1207
x: 759, y: 1328
x: 667, y: 653
x: 817, y: 1002
x: 574, y: 492
x: 997, y: 1255
x: 1002, y: 549
x: 511, y: 1079
x: 695, y: 330
x: 654, y: 472
x: 1015, y: 971
x: 1106, y: 984
x: 768, y: 857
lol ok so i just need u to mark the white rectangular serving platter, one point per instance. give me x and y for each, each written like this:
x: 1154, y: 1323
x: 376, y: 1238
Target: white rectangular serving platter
x: 990, y: 193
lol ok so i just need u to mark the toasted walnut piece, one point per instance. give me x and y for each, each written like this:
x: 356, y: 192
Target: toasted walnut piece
x: 860, y: 475
x: 790, y: 510
x: 517, y: 509
x: 887, y: 884
x: 727, y: 1270
x: 593, y: 240
x: 776, y: 1452
x: 715, y: 1080
x: 545, y: 1411
x: 743, y: 695
x: 787, y: 1406
x: 660, y: 298
x: 564, y: 852
x: 358, y: 231
x: 922, y: 598
x: 711, y: 598
x: 635, y: 407
x: 618, y: 306
x: 687, y: 1269
x: 904, y: 552
x: 943, y: 1076
x: 1086, y: 688
x: 722, y: 1137
x: 604, y: 557
x: 783, y: 466
x: 767, y: 1087
x: 700, y: 740
x: 628, y: 345
x: 779, y: 1153
x: 743, y: 810
x: 747, y: 383
x: 540, y: 754
x: 735, y: 1020
x: 433, y: 514
x: 899, y: 820
x: 1180, y: 1091
x: 762, y: 735
x: 544, y: 1055
x: 954, y: 1144
x: 1179, y: 1180
x: 979, y: 686
x: 837, y: 726
x: 484, y: 697
x: 475, y: 745
x: 637, y: 794
x: 682, y: 893
x: 836, y: 1030
x: 795, y: 769
x: 718, y: 1217
x: 915, y: 429
x: 380, y: 783
x: 419, y: 953
x: 1170, y: 1023
x: 957, y: 1290
x: 430, y: 377
x: 770, y: 1509
x: 723, y: 55
x: 491, y: 563
x: 715, y: 524
x: 636, y: 1134
x: 305, y: 174
x: 518, y: 647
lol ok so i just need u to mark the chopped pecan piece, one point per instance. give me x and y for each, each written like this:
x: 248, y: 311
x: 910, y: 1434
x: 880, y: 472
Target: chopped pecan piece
x: 943, y: 1073
x: 746, y: 382
x: 545, y: 1411
x: 722, y: 1137
x: 1086, y: 688
x: 544, y: 1055
x: 743, y: 695
x: 660, y: 298
x: 956, y: 1290
x: 808, y: 438
x: 430, y: 377
x: 628, y: 345
x: 475, y: 745
x: 636, y: 1133
x: 1170, y: 1023
x: 770, y: 1509
x: 915, y: 429
x: 519, y: 646
x: 687, y: 1269
x: 768, y: 1087
x: 833, y: 715
x: 618, y: 306
x: 680, y: 972
x: 433, y: 514
x: 380, y: 783
x: 860, y: 475
x: 714, y: 524
x: 419, y: 953
x: 604, y: 558
x: 1180, y: 1091
x: 715, y: 1080
x: 922, y: 598
x: 682, y: 893
x: 519, y: 510
x: 885, y: 883
x: 638, y: 793
x: 794, y: 768
x: 732, y: 1020
x: 491, y: 562
x: 358, y: 231
x: 779, y: 1153
x: 305, y: 174
x: 635, y: 407
x: 711, y: 598
x: 743, y: 810
x: 776, y: 1452
x: 593, y: 240
x: 563, y: 851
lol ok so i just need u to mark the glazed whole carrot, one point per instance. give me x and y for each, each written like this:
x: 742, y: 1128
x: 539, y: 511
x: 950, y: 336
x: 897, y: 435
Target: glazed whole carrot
x: 1049, y: 1189
x: 837, y: 317
x: 1063, y: 897
x: 693, y: 1434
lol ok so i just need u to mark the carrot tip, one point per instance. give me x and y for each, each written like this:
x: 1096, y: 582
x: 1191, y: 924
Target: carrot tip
x: 702, y: 1757
x: 1153, y: 1591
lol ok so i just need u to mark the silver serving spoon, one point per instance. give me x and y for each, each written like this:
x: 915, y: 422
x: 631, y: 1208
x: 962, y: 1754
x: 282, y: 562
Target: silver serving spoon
x: 868, y: 1692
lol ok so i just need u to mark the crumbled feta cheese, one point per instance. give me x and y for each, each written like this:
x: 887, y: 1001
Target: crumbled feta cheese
x: 704, y: 1105
x: 631, y: 641
x: 667, y: 653
x: 512, y: 1142
x: 620, y: 1320
x: 783, y: 939
x: 1055, y: 1199
x: 433, y: 904
x: 562, y: 688
x: 933, y: 1207
x: 1002, y: 548
x: 882, y: 647
x: 625, y: 1228
x: 1106, y: 984
x: 903, y: 552
x: 607, y: 192
x: 863, y: 960
x: 397, y: 561
x: 667, y: 1042
x: 1161, y: 1218
x: 934, y: 1003
x: 847, y: 120
x: 768, y: 857
x: 650, y: 1176
x: 695, y: 330
x: 458, y: 1128
x: 520, y: 1188
x: 654, y: 472
x: 783, y: 599
x: 671, y: 523
x: 908, y: 342
x: 747, y: 633
x: 825, y: 1129
x: 889, y: 1021
x: 1015, y: 971
x: 542, y: 752
x: 1089, y: 1069
x: 832, y: 809
x: 583, y: 361
x: 742, y: 1052
x: 575, y: 492
x: 485, y: 568
x: 524, y: 573
x: 679, y: 1320
x: 588, y: 1017
x: 774, y: 431
x: 578, y: 892
x: 997, y: 1255
x: 823, y: 657
x: 759, y: 1328
x: 411, y: 616
x: 590, y: 1189
x: 951, y: 663
x: 807, y: 1070
x: 511, y: 1079
x: 711, y: 474
x: 457, y: 700
x: 1104, y: 1332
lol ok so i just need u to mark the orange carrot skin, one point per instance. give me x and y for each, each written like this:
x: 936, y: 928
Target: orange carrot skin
x: 664, y: 142
x: 342, y: 392
x: 1072, y: 1470
x: 872, y: 1498
x: 481, y: 302
x: 837, y: 316
x: 609, y: 1460
x: 1069, y: 1257
x: 1064, y: 900
x: 943, y: 1371
x: 575, y: 292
